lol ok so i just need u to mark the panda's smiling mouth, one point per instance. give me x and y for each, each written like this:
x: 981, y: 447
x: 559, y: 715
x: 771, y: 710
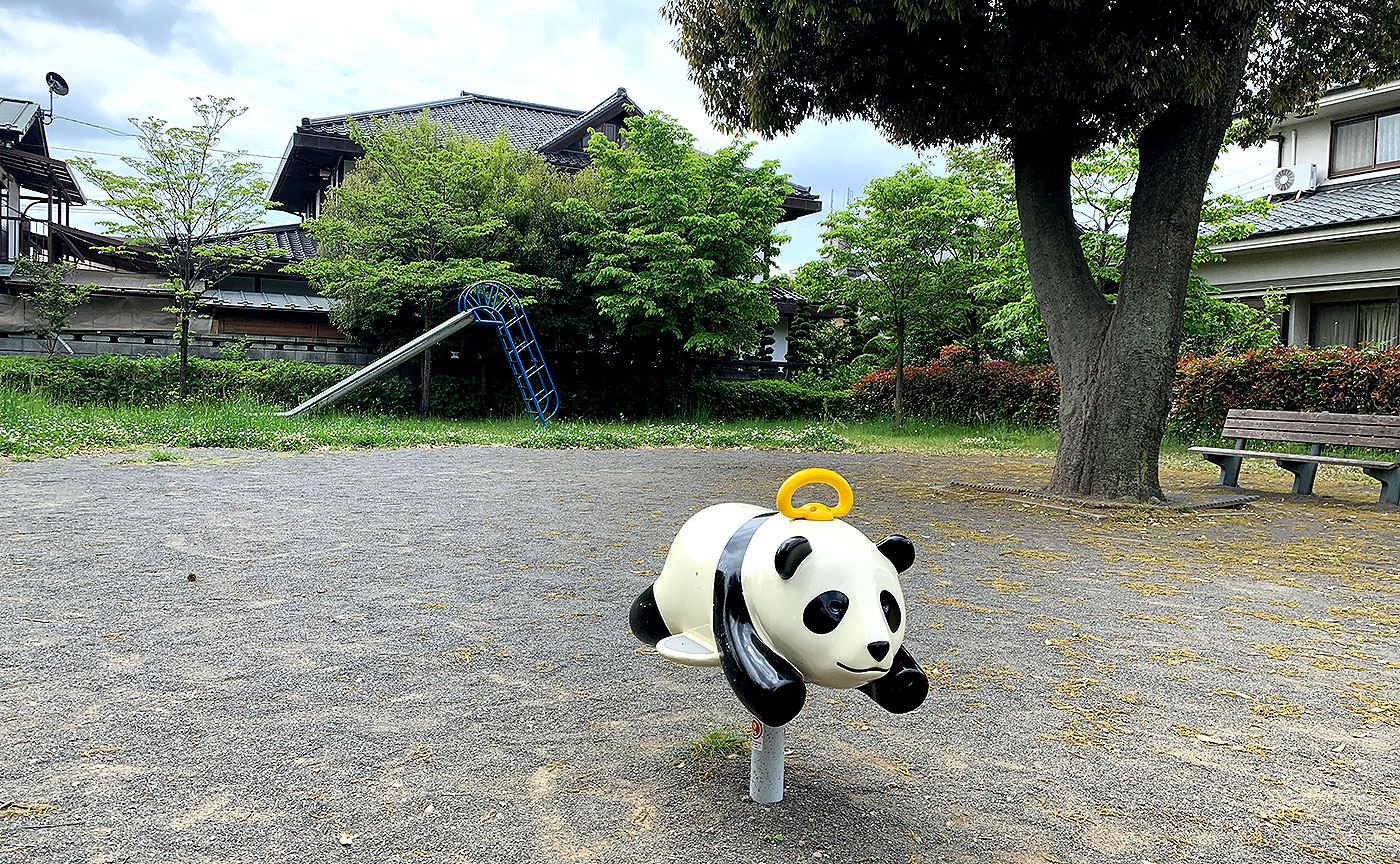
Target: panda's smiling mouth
x: 853, y: 669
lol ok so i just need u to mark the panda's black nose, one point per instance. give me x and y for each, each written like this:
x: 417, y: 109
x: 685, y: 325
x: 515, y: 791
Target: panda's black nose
x: 878, y: 650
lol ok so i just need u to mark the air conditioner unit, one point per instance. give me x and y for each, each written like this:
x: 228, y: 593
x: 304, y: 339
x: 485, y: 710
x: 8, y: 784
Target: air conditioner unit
x: 1294, y: 178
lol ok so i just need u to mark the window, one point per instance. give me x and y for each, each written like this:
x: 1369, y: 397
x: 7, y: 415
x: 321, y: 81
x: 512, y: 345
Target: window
x: 1365, y: 143
x: 1353, y: 324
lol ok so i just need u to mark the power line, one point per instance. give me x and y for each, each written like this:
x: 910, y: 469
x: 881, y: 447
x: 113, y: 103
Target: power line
x: 118, y: 132
x: 122, y: 155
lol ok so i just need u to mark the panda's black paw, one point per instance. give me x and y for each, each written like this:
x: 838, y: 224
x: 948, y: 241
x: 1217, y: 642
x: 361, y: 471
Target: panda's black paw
x: 645, y: 619
x: 902, y: 689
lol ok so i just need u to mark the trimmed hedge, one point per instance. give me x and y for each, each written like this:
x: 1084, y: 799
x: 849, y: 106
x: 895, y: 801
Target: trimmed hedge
x: 1344, y: 380
x: 950, y: 388
x: 154, y: 381
x: 769, y: 400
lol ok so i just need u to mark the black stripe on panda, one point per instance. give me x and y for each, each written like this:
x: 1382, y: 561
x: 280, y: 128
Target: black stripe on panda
x: 769, y: 686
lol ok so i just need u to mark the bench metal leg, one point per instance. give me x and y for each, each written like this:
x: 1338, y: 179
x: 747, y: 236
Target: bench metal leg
x: 1390, y: 483
x: 1303, y: 475
x: 1229, y: 467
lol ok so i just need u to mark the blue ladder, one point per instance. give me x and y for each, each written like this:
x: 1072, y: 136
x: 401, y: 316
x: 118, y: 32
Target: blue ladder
x: 494, y: 303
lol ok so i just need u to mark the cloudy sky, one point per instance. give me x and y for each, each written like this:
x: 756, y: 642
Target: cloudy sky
x: 288, y: 59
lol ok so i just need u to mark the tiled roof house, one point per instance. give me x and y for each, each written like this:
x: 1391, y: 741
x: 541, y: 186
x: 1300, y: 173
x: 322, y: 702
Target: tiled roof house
x: 1331, y: 244
x: 320, y: 153
x: 279, y: 312
x: 320, y: 150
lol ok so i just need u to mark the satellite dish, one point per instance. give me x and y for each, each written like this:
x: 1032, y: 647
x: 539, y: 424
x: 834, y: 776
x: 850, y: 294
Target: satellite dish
x: 57, y: 86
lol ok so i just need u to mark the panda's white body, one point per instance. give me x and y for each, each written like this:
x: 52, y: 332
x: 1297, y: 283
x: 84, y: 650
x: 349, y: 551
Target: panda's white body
x: 841, y: 559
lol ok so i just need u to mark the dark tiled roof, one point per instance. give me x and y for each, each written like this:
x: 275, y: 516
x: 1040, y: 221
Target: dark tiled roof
x: 546, y: 129
x: 288, y: 242
x: 570, y: 159
x: 528, y: 125
x: 227, y: 298
x: 779, y: 292
x: 1361, y: 201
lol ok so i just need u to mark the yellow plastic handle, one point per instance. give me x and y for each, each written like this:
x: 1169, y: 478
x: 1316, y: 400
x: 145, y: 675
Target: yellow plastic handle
x: 815, y: 511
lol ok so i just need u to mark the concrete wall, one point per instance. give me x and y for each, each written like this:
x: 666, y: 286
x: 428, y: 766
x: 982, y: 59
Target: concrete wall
x: 161, y: 343
x: 137, y: 325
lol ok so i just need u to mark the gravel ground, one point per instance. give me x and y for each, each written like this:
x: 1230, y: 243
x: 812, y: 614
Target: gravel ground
x: 424, y: 654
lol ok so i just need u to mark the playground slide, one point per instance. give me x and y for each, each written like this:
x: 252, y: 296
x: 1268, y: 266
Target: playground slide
x: 384, y: 364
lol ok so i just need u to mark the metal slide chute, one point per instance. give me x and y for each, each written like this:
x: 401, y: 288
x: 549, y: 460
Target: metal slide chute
x: 482, y: 303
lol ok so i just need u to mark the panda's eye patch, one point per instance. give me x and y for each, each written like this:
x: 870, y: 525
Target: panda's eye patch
x: 825, y: 611
x: 890, y: 607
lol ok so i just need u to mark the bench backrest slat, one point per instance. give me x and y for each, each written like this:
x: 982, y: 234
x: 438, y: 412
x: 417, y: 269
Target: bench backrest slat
x: 1355, y: 430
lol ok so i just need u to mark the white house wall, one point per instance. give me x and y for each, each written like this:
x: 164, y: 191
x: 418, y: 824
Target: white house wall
x: 1307, y: 274
x: 1308, y: 140
x: 780, y: 338
x: 1247, y: 274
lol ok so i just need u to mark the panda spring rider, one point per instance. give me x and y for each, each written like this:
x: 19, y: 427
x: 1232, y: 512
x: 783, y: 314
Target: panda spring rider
x: 779, y: 599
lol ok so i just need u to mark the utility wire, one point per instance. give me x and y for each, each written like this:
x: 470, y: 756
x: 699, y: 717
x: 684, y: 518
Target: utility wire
x: 121, y: 155
x: 118, y: 132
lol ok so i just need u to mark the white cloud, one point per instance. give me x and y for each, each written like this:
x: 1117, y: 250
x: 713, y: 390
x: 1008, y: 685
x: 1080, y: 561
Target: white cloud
x: 288, y: 59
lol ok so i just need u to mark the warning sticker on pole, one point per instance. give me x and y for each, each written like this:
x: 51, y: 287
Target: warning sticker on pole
x: 756, y: 736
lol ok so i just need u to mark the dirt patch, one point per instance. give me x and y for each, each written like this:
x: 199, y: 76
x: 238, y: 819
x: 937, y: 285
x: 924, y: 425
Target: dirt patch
x: 423, y: 654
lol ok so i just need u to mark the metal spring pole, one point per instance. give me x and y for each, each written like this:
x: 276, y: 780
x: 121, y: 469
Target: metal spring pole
x: 766, y: 763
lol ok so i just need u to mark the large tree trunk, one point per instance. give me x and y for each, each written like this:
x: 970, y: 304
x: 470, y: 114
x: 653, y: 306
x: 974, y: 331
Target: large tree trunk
x: 1117, y: 362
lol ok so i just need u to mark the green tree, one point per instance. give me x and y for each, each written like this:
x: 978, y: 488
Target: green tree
x: 904, y: 256
x: 675, y: 252
x: 424, y: 214
x: 184, y: 206
x: 54, y: 298
x: 1053, y: 81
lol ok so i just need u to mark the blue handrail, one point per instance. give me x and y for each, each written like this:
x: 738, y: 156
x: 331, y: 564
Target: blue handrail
x: 496, y: 304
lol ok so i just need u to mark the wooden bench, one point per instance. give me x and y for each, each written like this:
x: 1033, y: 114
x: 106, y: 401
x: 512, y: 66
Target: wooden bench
x: 1381, y: 432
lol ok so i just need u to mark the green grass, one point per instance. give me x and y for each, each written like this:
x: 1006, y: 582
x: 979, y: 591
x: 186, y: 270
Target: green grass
x: 952, y: 439
x: 32, y: 426
x: 717, y: 745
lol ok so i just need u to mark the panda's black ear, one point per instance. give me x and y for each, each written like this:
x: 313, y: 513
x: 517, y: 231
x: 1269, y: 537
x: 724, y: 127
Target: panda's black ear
x: 791, y: 552
x: 899, y: 550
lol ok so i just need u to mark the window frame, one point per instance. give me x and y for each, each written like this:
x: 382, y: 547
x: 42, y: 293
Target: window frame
x: 1374, y: 117
x: 1355, y: 316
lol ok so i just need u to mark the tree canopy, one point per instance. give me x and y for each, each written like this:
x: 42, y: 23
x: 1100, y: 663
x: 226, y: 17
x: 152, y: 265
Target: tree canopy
x: 1051, y: 80
x: 186, y: 205
x: 905, y: 256
x: 676, y: 249
x: 964, y: 71
x: 424, y: 214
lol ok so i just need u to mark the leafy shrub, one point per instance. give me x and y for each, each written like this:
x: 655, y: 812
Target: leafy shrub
x: 836, y: 378
x: 1344, y: 380
x: 768, y: 400
x: 955, y: 388
x: 151, y: 382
